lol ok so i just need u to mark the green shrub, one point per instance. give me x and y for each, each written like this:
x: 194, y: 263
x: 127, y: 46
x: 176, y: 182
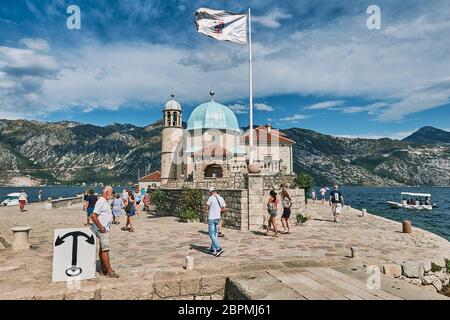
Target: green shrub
x: 192, y: 201
x: 435, y: 267
x: 306, y: 182
x: 301, y: 218
x: 159, y: 199
x: 447, y: 265
x: 188, y: 215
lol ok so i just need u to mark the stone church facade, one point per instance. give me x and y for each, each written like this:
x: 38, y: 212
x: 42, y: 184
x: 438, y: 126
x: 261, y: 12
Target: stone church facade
x: 212, y: 151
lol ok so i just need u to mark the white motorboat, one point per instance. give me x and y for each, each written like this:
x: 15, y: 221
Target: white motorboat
x: 413, y: 201
x: 12, y: 199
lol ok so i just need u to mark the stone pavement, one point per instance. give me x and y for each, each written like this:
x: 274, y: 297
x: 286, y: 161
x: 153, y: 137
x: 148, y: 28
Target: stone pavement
x: 154, y: 255
x: 318, y: 283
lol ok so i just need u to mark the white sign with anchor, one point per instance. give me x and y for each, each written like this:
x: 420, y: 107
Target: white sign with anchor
x: 73, y: 254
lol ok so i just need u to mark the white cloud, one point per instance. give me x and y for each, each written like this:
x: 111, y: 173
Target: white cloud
x: 419, y: 99
x: 325, y: 105
x: 419, y: 27
x: 371, y: 109
x: 403, y: 71
x: 38, y: 45
x: 295, y: 118
x: 380, y: 135
x: 239, y: 108
x: 263, y: 107
x: 272, y: 19
x: 23, y: 73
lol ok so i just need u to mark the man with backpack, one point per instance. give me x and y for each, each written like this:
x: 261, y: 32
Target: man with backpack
x: 336, y: 203
x: 215, y: 206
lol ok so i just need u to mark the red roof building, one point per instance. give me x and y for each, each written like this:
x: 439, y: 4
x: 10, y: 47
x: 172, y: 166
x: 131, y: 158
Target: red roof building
x: 266, y: 135
x: 152, y: 177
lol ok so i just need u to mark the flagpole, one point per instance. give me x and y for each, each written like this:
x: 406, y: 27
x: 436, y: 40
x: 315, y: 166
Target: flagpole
x: 250, y: 71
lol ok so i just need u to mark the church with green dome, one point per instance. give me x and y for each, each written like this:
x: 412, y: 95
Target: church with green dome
x: 214, y: 150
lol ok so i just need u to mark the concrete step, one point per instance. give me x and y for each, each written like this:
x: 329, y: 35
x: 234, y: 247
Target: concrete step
x: 261, y: 286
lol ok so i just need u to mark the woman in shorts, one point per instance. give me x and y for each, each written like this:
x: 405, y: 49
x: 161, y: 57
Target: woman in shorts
x: 272, y: 209
x: 287, y: 204
x: 131, y: 211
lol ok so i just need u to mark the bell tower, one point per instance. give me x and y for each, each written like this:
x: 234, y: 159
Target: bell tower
x: 172, y: 139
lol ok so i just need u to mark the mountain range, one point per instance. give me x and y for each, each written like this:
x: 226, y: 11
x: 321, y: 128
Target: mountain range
x: 429, y: 135
x: 66, y: 152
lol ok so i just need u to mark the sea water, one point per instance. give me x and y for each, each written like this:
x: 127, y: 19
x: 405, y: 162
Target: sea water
x: 374, y: 199
x: 53, y: 192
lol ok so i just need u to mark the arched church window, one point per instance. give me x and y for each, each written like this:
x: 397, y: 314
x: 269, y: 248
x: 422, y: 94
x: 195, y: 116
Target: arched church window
x: 213, y: 171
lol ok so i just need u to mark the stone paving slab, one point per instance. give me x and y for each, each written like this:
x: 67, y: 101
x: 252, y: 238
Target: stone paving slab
x: 316, y: 283
x: 160, y: 245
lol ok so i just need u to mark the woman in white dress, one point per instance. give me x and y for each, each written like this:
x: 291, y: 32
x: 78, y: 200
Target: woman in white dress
x: 117, y: 206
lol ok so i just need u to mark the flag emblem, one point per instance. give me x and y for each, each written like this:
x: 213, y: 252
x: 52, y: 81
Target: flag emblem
x: 219, y: 26
x: 222, y: 25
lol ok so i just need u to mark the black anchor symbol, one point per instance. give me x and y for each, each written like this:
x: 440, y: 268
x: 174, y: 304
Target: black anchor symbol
x: 74, y: 270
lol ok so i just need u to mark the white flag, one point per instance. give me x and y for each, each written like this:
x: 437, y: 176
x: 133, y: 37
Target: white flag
x: 222, y: 25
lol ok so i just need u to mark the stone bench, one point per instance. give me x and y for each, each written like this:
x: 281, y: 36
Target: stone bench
x: 20, y: 238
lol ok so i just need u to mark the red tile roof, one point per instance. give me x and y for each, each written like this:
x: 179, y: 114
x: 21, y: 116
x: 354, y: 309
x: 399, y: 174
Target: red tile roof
x: 154, y: 176
x: 262, y: 134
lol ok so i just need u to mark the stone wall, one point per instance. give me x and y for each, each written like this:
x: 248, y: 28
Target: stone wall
x: 432, y: 274
x: 62, y: 202
x: 275, y: 181
x: 246, y: 207
x: 234, y: 180
x: 257, y: 201
x: 236, y: 216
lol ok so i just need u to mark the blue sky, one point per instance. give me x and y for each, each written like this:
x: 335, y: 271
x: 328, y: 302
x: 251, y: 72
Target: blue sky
x: 316, y: 64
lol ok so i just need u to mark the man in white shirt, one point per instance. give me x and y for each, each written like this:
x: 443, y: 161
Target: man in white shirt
x: 124, y: 195
x: 336, y: 203
x: 323, y: 193
x: 102, y: 218
x: 215, y: 205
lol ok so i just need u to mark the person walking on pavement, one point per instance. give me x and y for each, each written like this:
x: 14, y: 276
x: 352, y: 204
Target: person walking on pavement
x: 215, y: 206
x: 272, y: 209
x: 287, y: 204
x: 89, y: 204
x: 131, y: 210
x: 336, y: 203
x: 117, y: 206
x: 323, y: 193
x: 23, y: 200
x: 313, y: 196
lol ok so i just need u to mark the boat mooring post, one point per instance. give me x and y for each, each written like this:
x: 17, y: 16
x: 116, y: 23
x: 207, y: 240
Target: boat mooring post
x: 407, y: 226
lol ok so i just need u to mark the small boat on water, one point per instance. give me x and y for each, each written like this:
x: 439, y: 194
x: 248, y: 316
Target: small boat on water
x: 12, y: 199
x: 413, y: 201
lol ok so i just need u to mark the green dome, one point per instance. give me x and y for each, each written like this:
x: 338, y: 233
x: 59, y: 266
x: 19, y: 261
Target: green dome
x: 213, y: 115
